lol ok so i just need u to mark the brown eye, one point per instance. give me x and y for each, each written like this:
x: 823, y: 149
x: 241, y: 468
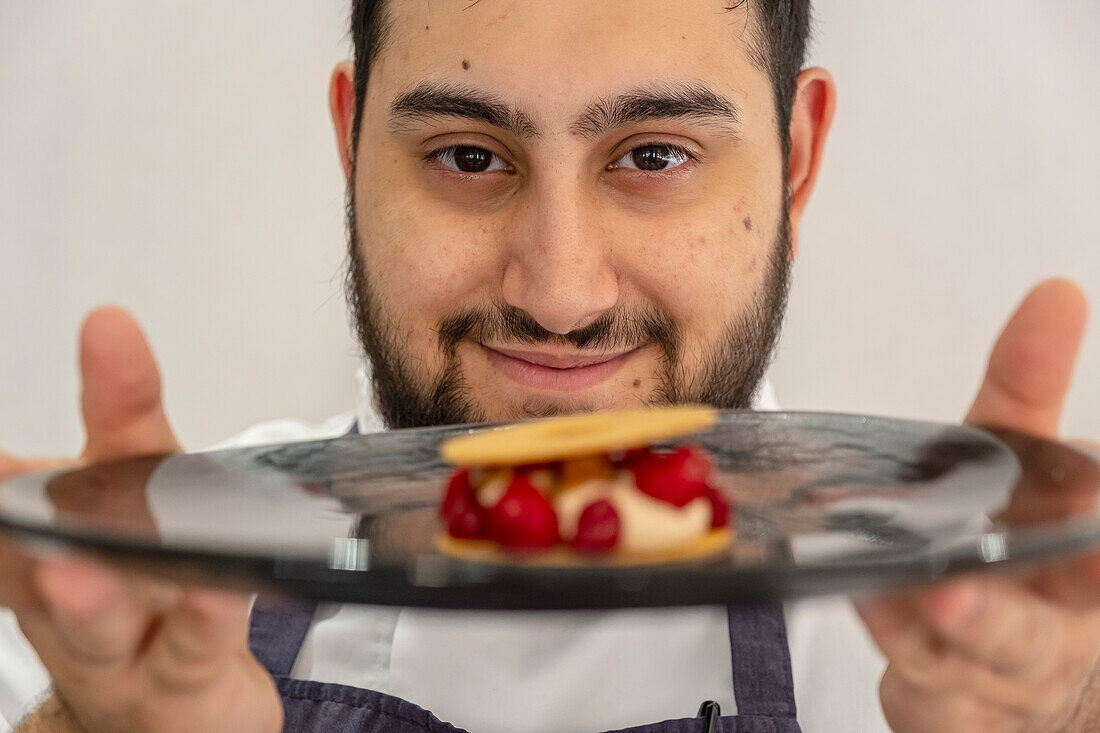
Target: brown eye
x: 653, y: 158
x: 472, y: 160
x: 468, y: 159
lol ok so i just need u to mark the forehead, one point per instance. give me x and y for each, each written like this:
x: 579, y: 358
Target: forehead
x: 555, y: 56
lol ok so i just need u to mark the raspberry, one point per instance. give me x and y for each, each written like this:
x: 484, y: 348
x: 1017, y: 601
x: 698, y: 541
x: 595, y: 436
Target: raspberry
x: 632, y: 456
x: 720, y: 508
x: 523, y: 518
x: 597, y: 528
x: 677, y: 478
x: 469, y: 524
x: 697, y: 465
x: 459, y: 493
x: 464, y: 516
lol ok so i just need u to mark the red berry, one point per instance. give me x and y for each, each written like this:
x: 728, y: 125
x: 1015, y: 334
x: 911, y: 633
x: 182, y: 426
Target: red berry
x: 523, y: 518
x: 597, y: 528
x: 459, y: 493
x: 633, y: 455
x: 720, y: 508
x: 469, y: 524
x: 697, y: 465
x: 465, y: 518
x: 677, y: 478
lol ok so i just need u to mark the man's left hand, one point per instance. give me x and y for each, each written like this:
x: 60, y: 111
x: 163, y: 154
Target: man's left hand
x: 1004, y: 653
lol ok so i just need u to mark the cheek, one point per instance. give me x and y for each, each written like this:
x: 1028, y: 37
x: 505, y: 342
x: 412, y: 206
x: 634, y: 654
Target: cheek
x: 704, y: 268
x: 422, y: 263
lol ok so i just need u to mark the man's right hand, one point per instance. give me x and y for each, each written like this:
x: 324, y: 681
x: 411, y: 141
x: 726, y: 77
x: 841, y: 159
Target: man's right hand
x: 128, y: 653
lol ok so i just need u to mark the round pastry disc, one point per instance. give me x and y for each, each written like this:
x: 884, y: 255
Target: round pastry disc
x: 555, y: 439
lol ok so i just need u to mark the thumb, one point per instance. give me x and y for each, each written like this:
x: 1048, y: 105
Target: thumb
x: 121, y: 399
x: 1032, y: 363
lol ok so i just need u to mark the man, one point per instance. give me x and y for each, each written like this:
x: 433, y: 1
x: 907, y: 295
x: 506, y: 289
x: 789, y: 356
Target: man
x: 559, y: 207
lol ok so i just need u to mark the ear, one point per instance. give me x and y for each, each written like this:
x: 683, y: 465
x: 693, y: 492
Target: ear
x: 341, y: 104
x: 811, y: 119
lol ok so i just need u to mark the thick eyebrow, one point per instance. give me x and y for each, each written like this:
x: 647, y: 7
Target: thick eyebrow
x: 434, y: 100
x: 691, y: 101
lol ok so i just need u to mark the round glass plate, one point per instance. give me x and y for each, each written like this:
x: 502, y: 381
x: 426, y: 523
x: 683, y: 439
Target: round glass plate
x: 823, y: 503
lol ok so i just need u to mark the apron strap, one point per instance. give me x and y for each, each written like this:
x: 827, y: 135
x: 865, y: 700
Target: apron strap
x: 276, y: 630
x: 762, y: 681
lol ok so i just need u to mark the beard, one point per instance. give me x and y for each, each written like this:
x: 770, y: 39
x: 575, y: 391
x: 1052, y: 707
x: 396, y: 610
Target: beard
x: 727, y: 376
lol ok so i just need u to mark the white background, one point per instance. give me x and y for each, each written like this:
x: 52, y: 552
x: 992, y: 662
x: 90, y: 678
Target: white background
x: 176, y: 158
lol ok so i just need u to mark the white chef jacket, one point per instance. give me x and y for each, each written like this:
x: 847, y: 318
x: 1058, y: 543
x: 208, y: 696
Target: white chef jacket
x: 543, y: 672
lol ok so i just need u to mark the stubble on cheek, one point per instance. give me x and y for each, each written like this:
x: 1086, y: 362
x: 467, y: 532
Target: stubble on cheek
x: 416, y: 382
x: 738, y: 301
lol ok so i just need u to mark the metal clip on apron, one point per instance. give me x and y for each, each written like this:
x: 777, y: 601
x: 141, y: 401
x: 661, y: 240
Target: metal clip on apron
x: 762, y: 682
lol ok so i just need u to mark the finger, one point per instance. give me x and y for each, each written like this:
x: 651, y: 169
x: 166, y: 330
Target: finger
x: 17, y: 579
x: 121, y: 400
x: 98, y: 618
x: 947, y: 708
x: 1074, y: 583
x: 16, y: 567
x: 1057, y: 487
x: 13, y: 466
x: 966, y: 630
x: 907, y: 644
x: 994, y: 624
x: 206, y: 630
x: 921, y: 629
x: 1060, y: 487
x: 1031, y: 366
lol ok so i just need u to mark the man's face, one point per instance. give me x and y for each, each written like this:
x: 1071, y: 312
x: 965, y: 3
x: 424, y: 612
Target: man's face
x: 566, y: 206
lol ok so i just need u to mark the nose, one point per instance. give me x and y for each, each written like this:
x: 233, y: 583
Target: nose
x: 560, y: 266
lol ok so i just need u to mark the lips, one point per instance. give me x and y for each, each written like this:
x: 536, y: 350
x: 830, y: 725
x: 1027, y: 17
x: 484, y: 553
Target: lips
x: 558, y: 361
x: 555, y: 372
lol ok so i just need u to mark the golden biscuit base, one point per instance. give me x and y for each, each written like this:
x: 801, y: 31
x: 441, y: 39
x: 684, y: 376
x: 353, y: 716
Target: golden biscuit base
x: 556, y: 439
x: 713, y: 543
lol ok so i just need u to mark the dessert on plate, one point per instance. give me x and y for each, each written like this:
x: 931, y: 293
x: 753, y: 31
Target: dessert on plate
x: 560, y: 490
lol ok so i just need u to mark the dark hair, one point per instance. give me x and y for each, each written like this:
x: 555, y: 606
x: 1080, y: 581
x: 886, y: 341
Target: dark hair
x: 778, y: 48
